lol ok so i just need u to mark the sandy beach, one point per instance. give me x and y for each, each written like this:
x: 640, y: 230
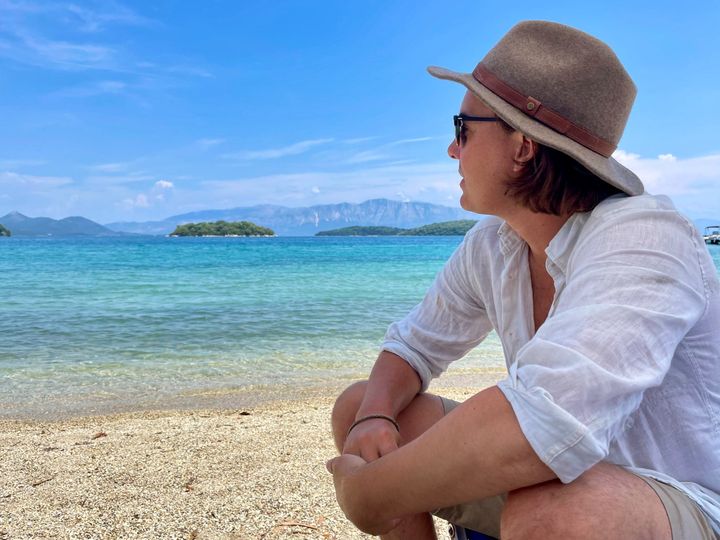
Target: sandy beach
x: 244, y: 472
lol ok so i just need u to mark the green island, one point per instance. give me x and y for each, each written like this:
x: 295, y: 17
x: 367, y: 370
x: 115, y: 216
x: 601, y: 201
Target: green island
x: 446, y: 228
x: 222, y: 228
x: 4, y: 231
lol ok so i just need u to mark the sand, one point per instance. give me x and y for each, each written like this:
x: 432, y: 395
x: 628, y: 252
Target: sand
x: 232, y: 473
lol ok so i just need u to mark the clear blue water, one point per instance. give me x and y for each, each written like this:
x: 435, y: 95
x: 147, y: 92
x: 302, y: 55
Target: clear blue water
x: 122, y: 320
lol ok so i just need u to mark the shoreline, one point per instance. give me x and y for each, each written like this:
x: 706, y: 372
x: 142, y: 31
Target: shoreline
x: 223, y: 398
x: 232, y: 473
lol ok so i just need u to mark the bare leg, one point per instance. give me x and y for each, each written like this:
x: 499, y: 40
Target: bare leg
x: 424, y: 411
x: 606, y: 502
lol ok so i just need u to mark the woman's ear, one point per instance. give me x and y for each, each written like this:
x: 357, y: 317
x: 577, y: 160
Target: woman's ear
x: 524, y: 153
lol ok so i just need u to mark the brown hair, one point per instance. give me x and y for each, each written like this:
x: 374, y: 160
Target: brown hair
x: 554, y: 183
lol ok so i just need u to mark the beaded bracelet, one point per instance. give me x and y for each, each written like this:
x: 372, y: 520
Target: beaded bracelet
x: 372, y: 417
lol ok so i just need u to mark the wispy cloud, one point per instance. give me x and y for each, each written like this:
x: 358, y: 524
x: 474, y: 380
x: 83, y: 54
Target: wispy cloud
x: 383, y: 152
x: 429, y: 182
x: 27, y: 47
x: 94, y: 20
x: 96, y: 88
x: 28, y: 35
x: 358, y: 140
x: 273, y: 153
x: 410, y: 141
x: 12, y: 180
x: 109, y: 167
x: 19, y: 163
x: 208, y: 143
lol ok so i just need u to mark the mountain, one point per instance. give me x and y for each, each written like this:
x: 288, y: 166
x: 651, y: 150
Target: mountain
x: 306, y: 221
x: 21, y: 225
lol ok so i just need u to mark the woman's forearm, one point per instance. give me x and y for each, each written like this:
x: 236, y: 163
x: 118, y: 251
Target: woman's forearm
x: 478, y: 450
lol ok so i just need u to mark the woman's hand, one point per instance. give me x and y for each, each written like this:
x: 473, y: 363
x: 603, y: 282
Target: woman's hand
x: 352, y: 495
x: 372, y: 439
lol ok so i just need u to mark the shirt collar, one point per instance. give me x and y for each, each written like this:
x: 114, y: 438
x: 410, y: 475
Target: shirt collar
x: 559, y: 248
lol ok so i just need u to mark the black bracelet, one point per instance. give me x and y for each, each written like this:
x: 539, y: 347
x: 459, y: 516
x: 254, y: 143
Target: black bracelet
x: 372, y: 417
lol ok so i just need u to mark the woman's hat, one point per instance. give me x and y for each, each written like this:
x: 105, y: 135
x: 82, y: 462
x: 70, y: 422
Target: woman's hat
x: 562, y: 88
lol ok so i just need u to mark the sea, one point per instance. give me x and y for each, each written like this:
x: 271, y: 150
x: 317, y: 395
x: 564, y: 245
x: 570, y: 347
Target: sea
x: 95, y: 325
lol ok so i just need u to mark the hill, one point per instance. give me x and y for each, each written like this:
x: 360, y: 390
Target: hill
x: 22, y: 225
x: 362, y: 231
x: 447, y: 228
x: 4, y: 231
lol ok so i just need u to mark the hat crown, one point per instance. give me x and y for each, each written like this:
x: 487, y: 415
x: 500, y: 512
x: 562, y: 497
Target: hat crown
x: 569, y: 71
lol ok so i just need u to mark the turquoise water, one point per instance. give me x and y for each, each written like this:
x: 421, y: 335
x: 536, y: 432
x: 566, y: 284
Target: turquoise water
x: 113, y: 321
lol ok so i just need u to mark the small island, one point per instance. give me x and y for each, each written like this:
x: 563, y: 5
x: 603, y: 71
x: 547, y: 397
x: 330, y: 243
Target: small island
x: 222, y: 228
x: 4, y: 231
x: 446, y: 228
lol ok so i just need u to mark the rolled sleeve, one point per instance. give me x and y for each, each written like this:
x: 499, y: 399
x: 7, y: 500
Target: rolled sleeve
x: 628, y: 301
x: 449, y: 322
x: 562, y: 442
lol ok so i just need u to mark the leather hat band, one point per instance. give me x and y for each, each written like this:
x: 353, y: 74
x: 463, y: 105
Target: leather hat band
x: 532, y: 107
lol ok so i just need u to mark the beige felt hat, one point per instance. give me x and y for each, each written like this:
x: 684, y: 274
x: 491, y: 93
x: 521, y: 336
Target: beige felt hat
x: 561, y: 87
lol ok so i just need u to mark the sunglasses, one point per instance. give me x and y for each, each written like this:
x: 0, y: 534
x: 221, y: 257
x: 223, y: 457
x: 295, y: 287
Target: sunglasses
x: 460, y: 119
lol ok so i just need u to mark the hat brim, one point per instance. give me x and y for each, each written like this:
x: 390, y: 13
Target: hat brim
x: 608, y: 169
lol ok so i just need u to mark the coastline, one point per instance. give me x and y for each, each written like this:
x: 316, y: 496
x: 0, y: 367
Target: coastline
x: 232, y: 472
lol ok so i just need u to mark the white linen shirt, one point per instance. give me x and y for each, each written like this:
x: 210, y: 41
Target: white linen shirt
x: 626, y: 367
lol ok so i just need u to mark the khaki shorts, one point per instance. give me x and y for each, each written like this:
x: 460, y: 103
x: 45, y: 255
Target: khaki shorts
x: 687, y: 521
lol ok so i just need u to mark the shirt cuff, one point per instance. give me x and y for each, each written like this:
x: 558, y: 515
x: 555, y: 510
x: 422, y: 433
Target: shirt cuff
x: 559, y: 439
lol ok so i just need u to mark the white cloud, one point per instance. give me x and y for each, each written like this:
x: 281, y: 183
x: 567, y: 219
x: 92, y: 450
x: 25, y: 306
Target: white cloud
x: 669, y: 175
x: 139, y: 201
x: 164, y: 184
x: 315, y: 189
x: 273, y: 153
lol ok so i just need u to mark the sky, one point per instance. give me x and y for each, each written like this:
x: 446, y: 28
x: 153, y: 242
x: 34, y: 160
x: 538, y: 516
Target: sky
x: 136, y: 111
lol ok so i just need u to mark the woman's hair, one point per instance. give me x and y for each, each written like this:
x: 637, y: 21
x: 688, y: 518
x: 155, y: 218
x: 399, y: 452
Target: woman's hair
x: 554, y: 183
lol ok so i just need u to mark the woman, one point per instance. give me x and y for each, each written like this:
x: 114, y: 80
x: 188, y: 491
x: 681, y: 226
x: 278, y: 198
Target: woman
x: 607, y: 305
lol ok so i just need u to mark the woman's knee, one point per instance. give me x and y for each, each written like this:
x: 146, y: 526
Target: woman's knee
x: 345, y: 409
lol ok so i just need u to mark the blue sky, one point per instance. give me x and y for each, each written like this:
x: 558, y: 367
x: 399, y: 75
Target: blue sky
x: 123, y: 111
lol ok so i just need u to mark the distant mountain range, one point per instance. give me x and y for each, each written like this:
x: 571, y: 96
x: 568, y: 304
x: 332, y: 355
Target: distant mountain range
x: 20, y: 225
x: 285, y: 221
x: 310, y: 220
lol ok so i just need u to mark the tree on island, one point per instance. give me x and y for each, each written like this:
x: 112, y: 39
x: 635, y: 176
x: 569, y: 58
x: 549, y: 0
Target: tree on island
x: 222, y: 228
x: 4, y: 231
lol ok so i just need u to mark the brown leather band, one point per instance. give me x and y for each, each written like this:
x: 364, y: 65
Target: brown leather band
x: 532, y: 107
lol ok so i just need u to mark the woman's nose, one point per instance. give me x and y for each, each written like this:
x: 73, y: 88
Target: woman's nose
x: 453, y: 150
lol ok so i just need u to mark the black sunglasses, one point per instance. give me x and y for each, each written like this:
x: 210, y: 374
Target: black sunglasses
x: 460, y: 119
